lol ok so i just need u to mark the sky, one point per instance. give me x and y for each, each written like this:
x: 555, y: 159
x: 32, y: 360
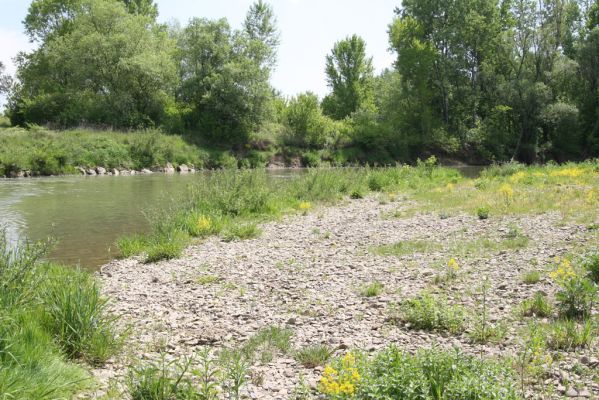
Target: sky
x: 308, y: 29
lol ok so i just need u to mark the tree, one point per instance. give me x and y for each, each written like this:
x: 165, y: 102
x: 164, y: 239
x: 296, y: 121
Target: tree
x: 54, y: 17
x: 308, y: 127
x: 225, y: 85
x: 260, y: 28
x: 111, y: 68
x: 350, y: 75
x: 5, y: 80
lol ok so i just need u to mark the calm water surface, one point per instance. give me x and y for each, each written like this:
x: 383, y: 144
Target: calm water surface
x: 85, y: 215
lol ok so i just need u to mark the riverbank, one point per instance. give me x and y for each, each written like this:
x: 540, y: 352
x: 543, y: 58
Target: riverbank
x: 42, y: 152
x: 464, y: 263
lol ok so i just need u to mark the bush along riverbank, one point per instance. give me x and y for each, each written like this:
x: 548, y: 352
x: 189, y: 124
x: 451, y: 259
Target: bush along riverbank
x: 54, y: 325
x: 362, y: 283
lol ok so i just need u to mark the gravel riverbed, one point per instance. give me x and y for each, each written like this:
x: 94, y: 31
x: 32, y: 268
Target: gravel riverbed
x: 306, y: 272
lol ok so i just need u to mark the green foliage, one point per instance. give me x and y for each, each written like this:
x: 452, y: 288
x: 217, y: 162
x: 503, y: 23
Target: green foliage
x: 162, y: 380
x: 372, y: 290
x: 78, y: 318
x: 576, y: 297
x: 482, y: 212
x: 433, y: 313
x: 241, y: 232
x: 590, y: 263
x: 568, y: 335
x: 307, y: 126
x: 531, y: 277
x: 101, y: 65
x: 50, y: 153
x: 48, y: 314
x: 266, y: 342
x: 349, y: 75
x: 538, y: 306
x: 166, y: 246
x: 433, y: 374
x: 314, y: 355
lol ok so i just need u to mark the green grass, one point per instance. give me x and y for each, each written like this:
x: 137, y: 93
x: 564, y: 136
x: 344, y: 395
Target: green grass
x: 568, y: 335
x: 267, y: 342
x: 207, y: 279
x: 314, y: 355
x: 459, y: 247
x: 47, y: 152
x: 538, y: 306
x: 52, y: 319
x: 531, y: 277
x: 372, y: 290
x: 241, y: 232
x: 407, y: 247
x: 433, y: 313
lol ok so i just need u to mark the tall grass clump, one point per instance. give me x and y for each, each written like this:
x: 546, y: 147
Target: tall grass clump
x: 33, y: 305
x: 78, y: 318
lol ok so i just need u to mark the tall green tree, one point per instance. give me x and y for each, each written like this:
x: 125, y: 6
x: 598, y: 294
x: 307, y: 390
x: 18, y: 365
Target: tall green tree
x: 54, y: 17
x: 110, y: 68
x: 350, y: 76
x: 225, y: 75
x: 260, y: 29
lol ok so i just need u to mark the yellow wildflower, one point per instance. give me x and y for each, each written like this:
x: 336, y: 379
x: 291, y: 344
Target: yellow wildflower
x: 203, y: 224
x: 305, y: 205
x: 507, y: 192
x: 563, y: 272
x: 518, y: 176
x: 450, y: 187
x: 453, y: 265
x: 568, y: 173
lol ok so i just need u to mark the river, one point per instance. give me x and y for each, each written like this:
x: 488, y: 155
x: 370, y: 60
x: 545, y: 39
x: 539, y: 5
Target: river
x: 85, y: 215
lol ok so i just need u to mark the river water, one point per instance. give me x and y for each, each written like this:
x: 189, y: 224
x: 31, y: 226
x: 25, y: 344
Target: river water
x: 85, y: 215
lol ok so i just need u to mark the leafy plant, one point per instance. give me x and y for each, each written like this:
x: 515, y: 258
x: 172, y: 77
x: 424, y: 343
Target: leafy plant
x: 372, y: 290
x: 538, y: 306
x: 433, y: 313
x: 314, y: 356
x: 483, y: 212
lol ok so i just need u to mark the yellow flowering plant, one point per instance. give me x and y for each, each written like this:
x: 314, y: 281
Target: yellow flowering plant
x: 202, y: 226
x: 507, y: 192
x: 305, y: 206
x: 341, y: 378
x: 452, y: 268
x: 577, y: 293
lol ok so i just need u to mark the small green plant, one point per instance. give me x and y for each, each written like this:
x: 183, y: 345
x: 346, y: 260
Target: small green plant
x: 314, y: 356
x: 207, y: 279
x: 538, y: 306
x: 590, y: 263
x: 132, y: 245
x: 242, y: 232
x: 433, y: 313
x: 302, y: 390
x: 576, y: 295
x: 569, y: 335
x: 266, y: 342
x: 484, y: 331
x: 235, y: 366
x: 483, y: 212
x: 372, y: 290
x: 162, y: 380
x: 167, y: 246
x: 531, y: 277
x: 356, y: 194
